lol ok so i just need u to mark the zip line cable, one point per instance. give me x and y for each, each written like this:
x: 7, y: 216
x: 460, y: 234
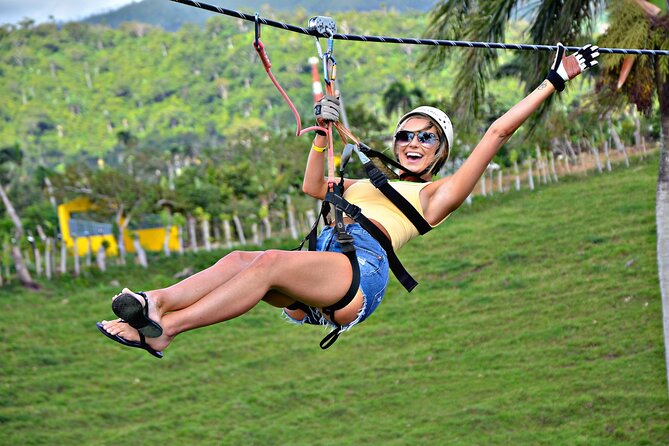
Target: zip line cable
x: 407, y: 40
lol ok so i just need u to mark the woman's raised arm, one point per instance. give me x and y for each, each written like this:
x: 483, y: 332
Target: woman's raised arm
x: 447, y: 194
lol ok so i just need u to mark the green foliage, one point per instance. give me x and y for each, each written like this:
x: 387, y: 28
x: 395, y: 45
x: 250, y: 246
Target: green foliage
x: 93, y: 89
x: 40, y: 213
x: 548, y: 22
x: 630, y: 28
x: 537, y: 321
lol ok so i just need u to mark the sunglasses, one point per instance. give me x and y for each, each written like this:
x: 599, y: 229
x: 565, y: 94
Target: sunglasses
x: 426, y: 139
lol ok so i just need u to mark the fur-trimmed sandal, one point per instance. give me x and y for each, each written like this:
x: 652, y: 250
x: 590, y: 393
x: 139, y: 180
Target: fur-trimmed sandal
x: 130, y: 309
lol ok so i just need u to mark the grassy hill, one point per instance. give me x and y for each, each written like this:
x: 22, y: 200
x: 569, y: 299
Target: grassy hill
x: 537, y: 322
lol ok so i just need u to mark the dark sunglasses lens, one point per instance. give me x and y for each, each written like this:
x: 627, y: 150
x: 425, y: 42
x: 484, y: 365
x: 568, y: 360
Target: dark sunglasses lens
x: 427, y: 139
x: 404, y: 137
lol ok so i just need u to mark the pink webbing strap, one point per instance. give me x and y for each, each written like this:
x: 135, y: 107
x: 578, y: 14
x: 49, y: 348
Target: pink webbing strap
x: 264, y: 58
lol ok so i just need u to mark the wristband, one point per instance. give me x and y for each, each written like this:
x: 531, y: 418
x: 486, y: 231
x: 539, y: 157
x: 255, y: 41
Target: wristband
x: 318, y: 149
x: 555, y: 79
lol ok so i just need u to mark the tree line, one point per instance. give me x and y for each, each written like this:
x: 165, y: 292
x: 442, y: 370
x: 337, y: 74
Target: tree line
x: 245, y: 195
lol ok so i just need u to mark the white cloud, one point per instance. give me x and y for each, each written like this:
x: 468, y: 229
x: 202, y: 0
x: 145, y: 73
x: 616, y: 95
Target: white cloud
x: 12, y: 11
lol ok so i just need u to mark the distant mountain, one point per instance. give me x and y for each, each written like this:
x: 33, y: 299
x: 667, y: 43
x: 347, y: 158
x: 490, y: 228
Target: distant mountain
x: 171, y: 16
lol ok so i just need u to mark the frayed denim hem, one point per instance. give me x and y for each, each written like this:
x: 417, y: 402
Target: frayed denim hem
x: 325, y: 322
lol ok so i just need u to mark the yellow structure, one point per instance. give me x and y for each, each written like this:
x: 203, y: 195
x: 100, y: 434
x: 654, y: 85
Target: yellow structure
x: 151, y: 239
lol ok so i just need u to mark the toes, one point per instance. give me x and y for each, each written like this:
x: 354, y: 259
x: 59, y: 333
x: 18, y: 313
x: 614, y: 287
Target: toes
x: 112, y: 327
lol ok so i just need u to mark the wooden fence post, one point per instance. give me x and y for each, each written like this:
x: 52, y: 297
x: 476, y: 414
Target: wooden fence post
x: 226, y: 234
x: 620, y: 147
x: 139, y: 251
x: 516, y: 171
x: 292, y: 224
x: 89, y: 249
x: 254, y: 234
x: 47, y: 257
x: 553, y: 171
x: 101, y: 258
x: 483, y: 186
x: 595, y: 153
x: 206, y: 234
x: 63, y: 256
x: 192, y: 232
x: 607, y: 158
x: 240, y: 229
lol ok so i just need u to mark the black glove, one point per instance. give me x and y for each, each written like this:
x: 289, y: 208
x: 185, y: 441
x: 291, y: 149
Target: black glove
x: 327, y: 110
x: 565, y: 68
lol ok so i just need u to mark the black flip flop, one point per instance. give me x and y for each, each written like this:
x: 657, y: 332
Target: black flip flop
x: 127, y: 307
x: 141, y: 344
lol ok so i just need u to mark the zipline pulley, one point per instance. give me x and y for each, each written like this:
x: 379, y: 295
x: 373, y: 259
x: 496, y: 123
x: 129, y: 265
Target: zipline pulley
x: 325, y: 26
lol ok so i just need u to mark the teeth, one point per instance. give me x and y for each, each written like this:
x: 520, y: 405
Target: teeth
x: 414, y: 155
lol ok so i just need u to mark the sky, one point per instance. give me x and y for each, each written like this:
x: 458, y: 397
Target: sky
x: 12, y: 11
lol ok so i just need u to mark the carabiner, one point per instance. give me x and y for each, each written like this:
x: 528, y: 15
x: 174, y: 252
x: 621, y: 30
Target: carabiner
x: 329, y: 70
x: 260, y: 48
x: 257, y: 27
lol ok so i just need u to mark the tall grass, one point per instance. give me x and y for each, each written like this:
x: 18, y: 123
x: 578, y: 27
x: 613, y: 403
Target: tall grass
x: 537, y: 322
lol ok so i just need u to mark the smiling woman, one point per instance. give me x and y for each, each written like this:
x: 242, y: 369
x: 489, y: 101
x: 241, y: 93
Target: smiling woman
x: 343, y: 280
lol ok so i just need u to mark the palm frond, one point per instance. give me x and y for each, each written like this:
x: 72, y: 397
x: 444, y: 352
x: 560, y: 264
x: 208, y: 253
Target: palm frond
x: 551, y: 21
x: 474, y: 21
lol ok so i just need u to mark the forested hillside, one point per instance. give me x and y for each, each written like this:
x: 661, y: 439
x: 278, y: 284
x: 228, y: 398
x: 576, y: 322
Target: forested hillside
x: 171, y: 16
x: 73, y: 89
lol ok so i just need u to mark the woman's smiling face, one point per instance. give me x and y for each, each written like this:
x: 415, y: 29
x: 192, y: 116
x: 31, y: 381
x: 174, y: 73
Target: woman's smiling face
x: 416, y: 154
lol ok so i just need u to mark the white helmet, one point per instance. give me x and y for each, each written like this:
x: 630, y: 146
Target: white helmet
x: 437, y: 115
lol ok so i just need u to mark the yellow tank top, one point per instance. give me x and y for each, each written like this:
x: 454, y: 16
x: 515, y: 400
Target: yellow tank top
x: 376, y: 206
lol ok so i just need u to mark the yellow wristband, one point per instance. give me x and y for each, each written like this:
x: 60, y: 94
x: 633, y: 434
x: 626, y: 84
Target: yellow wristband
x: 318, y: 149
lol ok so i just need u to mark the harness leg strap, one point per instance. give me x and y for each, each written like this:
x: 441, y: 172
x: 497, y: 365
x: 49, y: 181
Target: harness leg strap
x: 346, y: 242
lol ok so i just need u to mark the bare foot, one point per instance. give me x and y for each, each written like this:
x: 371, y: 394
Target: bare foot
x: 120, y: 328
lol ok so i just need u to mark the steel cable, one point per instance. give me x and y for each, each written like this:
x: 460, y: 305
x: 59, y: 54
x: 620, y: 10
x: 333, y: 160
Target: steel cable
x: 408, y: 40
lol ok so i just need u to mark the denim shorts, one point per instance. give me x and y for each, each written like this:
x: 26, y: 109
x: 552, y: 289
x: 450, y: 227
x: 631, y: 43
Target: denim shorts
x: 373, y: 264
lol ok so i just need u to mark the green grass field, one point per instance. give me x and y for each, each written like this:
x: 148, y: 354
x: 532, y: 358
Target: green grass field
x: 538, y: 321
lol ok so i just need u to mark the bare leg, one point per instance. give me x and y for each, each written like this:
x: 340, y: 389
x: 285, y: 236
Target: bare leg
x: 190, y: 290
x: 315, y: 278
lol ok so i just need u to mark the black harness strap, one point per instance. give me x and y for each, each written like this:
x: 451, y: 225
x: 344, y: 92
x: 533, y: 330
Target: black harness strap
x: 347, y: 248
x: 364, y: 148
x: 335, y: 198
x: 355, y: 213
x: 346, y: 243
x: 380, y: 181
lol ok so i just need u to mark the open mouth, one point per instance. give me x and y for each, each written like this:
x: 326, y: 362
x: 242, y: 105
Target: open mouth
x: 414, y: 156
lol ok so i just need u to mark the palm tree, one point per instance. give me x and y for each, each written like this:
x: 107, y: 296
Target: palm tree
x: 633, y: 23
x: 398, y: 97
